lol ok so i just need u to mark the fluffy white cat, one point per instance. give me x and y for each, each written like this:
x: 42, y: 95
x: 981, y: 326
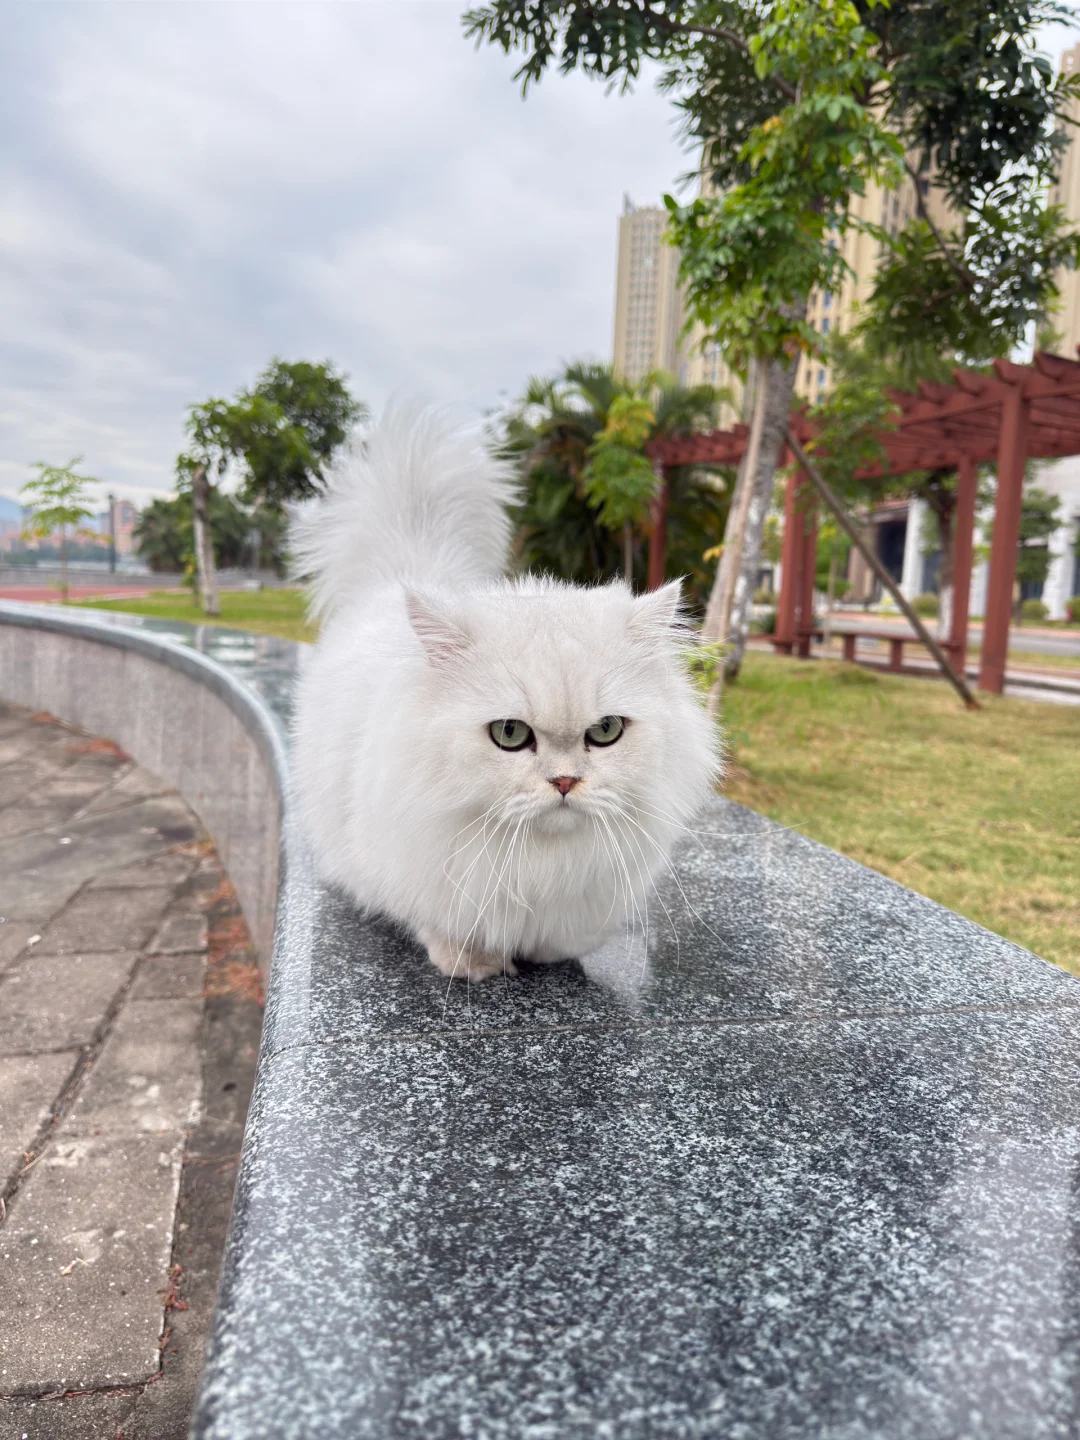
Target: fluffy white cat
x: 501, y: 765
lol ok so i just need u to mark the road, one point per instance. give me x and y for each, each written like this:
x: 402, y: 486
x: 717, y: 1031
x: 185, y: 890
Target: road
x: 1021, y: 637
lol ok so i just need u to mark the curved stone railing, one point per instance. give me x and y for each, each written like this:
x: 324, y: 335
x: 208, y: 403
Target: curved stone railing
x: 202, y: 708
x: 801, y: 1162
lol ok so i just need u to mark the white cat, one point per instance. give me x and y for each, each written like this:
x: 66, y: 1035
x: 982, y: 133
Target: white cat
x: 500, y: 764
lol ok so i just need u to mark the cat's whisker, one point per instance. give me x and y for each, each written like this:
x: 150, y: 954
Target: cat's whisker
x: 491, y: 888
x: 630, y: 900
x: 620, y: 819
x: 667, y: 818
x: 685, y: 898
x: 643, y: 871
x: 600, y: 843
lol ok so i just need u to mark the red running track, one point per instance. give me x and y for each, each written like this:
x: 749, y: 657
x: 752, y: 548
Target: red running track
x: 76, y: 592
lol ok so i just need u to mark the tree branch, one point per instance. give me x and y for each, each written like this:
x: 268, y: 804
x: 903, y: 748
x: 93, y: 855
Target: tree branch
x: 961, y: 272
x: 710, y: 32
x: 732, y: 37
x: 813, y: 474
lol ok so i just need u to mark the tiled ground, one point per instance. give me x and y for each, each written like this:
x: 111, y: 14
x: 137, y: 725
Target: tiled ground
x: 129, y: 1022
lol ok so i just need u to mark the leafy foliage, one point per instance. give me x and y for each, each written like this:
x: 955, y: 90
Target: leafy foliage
x: 57, y: 497
x: 579, y: 441
x: 164, y: 534
x: 1040, y: 517
x: 619, y: 479
x: 317, y: 412
x: 795, y: 106
x: 281, y: 434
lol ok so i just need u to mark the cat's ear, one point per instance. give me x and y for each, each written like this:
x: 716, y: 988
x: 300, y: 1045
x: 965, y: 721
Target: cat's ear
x: 655, y: 615
x: 442, y: 638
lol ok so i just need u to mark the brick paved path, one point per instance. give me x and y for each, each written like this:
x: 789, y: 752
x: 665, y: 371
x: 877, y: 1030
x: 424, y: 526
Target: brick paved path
x: 129, y: 1021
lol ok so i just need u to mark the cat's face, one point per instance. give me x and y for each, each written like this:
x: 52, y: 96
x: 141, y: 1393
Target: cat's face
x: 562, y: 708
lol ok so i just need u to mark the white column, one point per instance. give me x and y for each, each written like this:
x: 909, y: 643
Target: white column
x: 1058, y: 587
x: 979, y: 579
x: 911, y: 579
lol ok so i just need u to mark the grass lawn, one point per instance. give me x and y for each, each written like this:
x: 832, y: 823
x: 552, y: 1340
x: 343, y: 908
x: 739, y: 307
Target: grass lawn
x: 271, y: 612
x: 980, y: 811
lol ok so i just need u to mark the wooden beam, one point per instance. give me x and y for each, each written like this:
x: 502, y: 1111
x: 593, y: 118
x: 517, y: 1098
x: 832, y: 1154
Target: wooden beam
x: 816, y: 479
x: 967, y: 484
x: 1012, y: 457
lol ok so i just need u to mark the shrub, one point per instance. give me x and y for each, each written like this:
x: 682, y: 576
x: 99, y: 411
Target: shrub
x: 1033, y: 610
x: 764, y: 624
x: 925, y: 605
x: 1072, y: 609
x: 763, y: 595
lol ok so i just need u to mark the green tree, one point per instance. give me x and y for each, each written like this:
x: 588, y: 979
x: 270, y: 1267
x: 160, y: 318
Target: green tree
x: 58, y: 498
x: 620, y: 481
x: 164, y: 534
x: 280, y: 436
x: 313, y: 402
x: 1040, y: 518
x: 796, y: 106
x: 579, y: 441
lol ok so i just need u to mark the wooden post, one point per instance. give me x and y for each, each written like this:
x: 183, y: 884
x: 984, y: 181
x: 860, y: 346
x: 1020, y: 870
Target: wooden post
x: 790, y: 562
x: 807, y: 522
x: 816, y: 479
x: 658, y: 531
x: 1012, y: 457
x: 967, y: 484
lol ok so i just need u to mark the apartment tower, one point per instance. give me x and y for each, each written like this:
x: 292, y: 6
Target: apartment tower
x: 648, y: 305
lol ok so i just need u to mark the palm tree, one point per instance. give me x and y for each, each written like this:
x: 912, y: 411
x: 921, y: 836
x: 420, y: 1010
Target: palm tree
x: 590, y: 492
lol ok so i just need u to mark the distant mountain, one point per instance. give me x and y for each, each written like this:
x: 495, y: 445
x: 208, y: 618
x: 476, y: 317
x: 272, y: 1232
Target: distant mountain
x: 10, y: 509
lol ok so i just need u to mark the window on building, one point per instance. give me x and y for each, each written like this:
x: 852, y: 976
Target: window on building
x: 825, y: 326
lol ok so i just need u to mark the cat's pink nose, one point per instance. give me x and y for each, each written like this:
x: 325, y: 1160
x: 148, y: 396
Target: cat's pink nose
x: 565, y: 783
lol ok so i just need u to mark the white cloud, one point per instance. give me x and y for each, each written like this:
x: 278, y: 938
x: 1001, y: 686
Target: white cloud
x: 194, y: 188
x: 189, y: 189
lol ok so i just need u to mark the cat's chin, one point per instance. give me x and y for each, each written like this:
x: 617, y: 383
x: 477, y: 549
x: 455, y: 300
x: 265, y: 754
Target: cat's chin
x: 560, y: 820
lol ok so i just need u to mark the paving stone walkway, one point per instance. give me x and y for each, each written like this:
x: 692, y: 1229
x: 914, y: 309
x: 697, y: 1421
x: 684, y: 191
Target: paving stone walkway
x: 129, y: 1020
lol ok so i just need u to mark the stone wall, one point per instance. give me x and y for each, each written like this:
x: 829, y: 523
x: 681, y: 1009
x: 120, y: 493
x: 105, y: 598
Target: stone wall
x: 177, y: 715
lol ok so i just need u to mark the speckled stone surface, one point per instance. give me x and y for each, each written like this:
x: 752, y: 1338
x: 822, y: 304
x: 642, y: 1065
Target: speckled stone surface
x: 805, y: 1161
x: 808, y: 1169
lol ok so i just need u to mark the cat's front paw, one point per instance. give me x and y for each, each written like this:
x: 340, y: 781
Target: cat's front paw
x: 462, y: 963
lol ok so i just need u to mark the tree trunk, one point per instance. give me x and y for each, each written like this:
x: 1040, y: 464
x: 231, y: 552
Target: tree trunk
x: 727, y: 618
x: 945, y: 575
x: 941, y: 498
x: 830, y: 597
x: 657, y: 559
x: 628, y: 554
x: 204, y: 548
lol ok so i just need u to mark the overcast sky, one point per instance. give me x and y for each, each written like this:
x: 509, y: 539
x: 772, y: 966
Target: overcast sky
x: 189, y: 188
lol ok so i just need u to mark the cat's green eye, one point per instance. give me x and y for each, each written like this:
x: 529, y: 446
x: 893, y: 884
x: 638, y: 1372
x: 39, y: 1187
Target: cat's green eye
x: 510, y: 734
x: 606, y: 732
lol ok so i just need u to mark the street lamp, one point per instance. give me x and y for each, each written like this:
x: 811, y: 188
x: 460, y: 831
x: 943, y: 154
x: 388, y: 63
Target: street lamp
x: 112, y: 532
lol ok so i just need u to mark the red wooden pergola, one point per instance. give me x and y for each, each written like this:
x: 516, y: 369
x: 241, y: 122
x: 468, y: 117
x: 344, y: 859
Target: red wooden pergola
x: 1018, y: 413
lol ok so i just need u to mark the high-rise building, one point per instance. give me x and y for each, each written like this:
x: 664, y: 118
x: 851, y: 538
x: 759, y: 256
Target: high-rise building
x: 1066, y: 193
x: 648, y: 304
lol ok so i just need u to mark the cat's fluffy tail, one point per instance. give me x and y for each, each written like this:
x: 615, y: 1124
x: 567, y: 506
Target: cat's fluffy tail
x: 417, y: 500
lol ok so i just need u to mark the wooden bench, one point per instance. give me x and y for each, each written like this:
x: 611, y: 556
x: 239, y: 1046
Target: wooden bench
x: 896, y: 644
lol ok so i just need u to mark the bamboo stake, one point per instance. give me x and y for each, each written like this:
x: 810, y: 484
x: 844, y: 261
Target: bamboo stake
x: 817, y: 480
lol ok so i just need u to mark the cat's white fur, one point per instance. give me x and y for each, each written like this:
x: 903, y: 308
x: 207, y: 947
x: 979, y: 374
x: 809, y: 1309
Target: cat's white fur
x: 410, y: 805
